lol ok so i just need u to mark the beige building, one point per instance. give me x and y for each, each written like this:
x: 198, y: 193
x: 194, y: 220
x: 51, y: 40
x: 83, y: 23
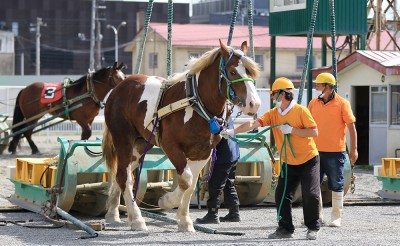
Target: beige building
x: 194, y: 39
x: 370, y: 80
x: 7, y: 54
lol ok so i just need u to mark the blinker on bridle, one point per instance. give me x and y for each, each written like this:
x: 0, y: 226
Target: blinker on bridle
x: 230, y: 93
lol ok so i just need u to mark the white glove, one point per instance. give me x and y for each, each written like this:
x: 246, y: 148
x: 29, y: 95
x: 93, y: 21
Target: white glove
x: 227, y: 133
x: 286, y: 129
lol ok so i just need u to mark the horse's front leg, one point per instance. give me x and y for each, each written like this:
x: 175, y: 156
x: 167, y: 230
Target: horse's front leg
x: 34, y: 148
x: 86, y: 132
x: 184, y: 221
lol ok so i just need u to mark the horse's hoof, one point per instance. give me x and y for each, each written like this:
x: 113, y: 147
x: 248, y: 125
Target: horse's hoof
x: 113, y: 219
x: 36, y: 152
x: 186, y: 228
x: 139, y: 226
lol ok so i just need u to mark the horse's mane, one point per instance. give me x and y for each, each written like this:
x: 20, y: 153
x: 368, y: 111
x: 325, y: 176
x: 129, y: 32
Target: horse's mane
x: 196, y: 65
x: 81, y: 82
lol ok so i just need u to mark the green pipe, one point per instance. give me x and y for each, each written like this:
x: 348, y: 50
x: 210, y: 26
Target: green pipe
x: 77, y: 222
x: 196, y: 227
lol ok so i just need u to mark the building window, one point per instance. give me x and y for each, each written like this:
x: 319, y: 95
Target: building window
x: 194, y: 54
x: 153, y: 60
x: 300, y: 62
x: 395, y: 104
x: 379, y: 105
x: 286, y: 5
x: 260, y: 60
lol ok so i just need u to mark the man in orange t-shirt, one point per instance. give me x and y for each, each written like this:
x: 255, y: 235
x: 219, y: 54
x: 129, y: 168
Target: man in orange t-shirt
x: 301, y: 167
x: 333, y: 115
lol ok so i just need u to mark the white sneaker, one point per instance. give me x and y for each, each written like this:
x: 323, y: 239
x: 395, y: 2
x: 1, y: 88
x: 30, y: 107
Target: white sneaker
x: 312, y: 235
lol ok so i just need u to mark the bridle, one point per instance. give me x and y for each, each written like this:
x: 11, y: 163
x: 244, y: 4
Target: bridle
x: 230, y: 93
x: 110, y: 78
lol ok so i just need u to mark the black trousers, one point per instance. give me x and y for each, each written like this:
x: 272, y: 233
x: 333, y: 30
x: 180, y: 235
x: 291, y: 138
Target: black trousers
x: 307, y: 175
x: 222, y: 179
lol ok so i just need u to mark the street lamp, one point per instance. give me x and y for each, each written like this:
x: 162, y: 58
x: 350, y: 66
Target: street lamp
x: 123, y: 23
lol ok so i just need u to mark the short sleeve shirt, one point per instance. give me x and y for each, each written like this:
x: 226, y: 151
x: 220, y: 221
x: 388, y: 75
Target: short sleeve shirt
x: 298, y: 117
x: 332, y: 119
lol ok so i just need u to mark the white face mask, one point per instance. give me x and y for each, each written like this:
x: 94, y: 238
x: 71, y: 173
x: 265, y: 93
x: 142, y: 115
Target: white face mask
x: 322, y: 93
x: 275, y: 102
x: 278, y: 104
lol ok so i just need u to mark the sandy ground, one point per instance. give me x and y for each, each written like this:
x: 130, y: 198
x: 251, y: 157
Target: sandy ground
x: 367, y: 223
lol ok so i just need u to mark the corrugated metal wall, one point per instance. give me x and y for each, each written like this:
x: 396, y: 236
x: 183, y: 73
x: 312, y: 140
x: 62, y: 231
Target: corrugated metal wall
x: 350, y: 15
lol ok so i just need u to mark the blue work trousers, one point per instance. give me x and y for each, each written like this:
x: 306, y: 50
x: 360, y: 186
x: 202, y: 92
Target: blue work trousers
x: 332, y: 165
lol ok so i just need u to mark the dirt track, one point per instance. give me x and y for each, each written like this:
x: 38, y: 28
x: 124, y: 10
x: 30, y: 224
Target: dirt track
x: 363, y: 224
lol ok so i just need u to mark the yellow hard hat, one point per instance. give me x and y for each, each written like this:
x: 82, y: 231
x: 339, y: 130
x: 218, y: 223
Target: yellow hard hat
x: 325, y: 78
x: 282, y: 83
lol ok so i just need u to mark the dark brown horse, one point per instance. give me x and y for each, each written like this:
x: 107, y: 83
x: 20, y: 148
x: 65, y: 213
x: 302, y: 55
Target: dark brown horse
x: 89, y: 91
x: 183, y: 133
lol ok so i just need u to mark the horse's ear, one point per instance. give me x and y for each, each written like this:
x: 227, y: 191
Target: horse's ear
x: 121, y: 66
x: 224, y: 50
x: 115, y: 65
x: 244, y: 47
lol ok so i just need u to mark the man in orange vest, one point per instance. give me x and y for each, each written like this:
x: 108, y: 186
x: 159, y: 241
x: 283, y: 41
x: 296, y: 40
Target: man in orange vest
x: 295, y: 123
x: 333, y: 115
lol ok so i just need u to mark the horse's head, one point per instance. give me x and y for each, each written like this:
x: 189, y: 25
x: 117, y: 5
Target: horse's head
x: 115, y: 74
x: 239, y: 73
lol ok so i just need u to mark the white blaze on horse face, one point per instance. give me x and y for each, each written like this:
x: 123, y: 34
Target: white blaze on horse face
x: 150, y: 94
x: 252, y: 99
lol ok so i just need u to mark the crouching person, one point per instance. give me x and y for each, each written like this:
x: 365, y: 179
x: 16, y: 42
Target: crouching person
x: 223, y: 179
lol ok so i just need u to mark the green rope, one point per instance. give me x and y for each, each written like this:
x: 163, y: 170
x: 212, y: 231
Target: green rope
x: 307, y: 57
x: 169, y: 46
x: 255, y: 136
x: 250, y: 24
x: 233, y: 21
x: 286, y: 138
x: 143, y: 40
x: 333, y: 38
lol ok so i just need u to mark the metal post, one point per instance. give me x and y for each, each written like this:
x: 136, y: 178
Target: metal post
x: 22, y: 63
x: 116, y: 29
x: 92, y: 37
x: 39, y: 23
x: 98, y: 50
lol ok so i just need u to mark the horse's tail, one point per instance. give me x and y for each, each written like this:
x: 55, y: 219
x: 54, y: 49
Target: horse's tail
x: 18, y: 115
x: 109, y: 154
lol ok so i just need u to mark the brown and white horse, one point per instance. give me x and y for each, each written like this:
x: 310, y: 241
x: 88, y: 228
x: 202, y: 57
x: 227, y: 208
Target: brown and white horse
x: 183, y: 134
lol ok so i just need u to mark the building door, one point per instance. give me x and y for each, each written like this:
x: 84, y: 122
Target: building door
x: 378, y: 124
x: 361, y: 112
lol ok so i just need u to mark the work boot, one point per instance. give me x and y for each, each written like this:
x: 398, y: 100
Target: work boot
x: 210, y: 218
x: 232, y: 216
x: 337, y: 208
x: 280, y: 233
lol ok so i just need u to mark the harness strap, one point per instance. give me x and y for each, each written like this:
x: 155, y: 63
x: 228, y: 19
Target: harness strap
x: 173, y: 107
x: 198, y: 105
x: 65, y: 100
x: 165, y: 85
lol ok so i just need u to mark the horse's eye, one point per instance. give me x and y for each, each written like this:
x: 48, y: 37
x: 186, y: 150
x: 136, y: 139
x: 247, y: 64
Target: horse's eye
x: 233, y: 73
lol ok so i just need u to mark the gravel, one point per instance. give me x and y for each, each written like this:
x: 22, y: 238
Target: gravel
x: 366, y: 221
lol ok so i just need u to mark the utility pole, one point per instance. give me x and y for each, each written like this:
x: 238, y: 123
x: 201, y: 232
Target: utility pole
x: 39, y: 23
x: 92, y: 35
